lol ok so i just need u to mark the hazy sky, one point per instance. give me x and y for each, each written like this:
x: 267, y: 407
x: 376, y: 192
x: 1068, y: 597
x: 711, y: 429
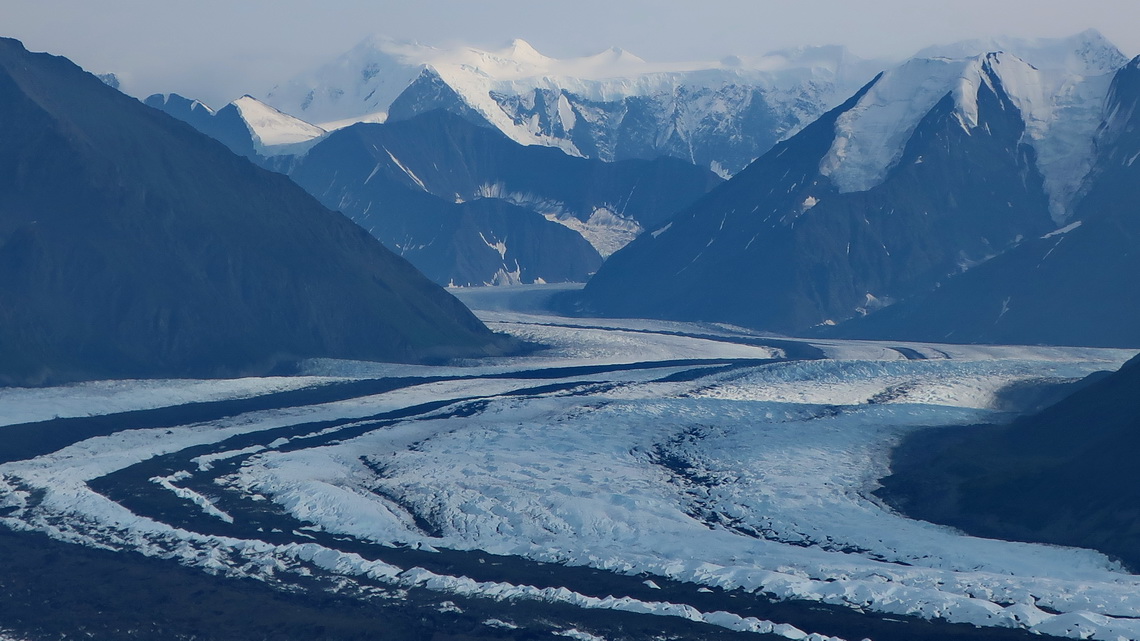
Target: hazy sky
x: 216, y: 50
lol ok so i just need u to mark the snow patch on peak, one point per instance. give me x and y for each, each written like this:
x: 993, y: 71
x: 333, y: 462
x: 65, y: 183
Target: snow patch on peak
x: 275, y: 132
x: 522, y: 51
x: 614, y: 55
x: 364, y: 80
x: 870, y: 136
x: 1061, y: 110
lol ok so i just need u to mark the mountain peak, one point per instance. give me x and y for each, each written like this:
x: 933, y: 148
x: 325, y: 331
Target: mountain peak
x: 521, y: 51
x: 272, y: 128
x: 614, y: 57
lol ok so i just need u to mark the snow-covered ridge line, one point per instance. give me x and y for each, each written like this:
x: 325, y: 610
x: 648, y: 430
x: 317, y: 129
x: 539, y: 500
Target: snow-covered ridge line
x: 503, y: 87
x: 386, y: 66
x: 1058, y: 85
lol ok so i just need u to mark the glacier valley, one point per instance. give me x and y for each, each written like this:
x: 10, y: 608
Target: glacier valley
x: 626, y: 473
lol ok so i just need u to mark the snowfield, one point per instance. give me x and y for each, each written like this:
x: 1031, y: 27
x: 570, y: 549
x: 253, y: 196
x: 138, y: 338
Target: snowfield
x: 689, y: 452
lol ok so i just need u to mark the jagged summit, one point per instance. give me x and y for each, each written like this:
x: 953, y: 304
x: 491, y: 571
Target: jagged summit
x: 1058, y: 89
x: 871, y: 136
x: 173, y: 99
x: 721, y: 114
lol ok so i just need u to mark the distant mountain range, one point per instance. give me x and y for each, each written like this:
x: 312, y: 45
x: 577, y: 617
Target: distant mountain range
x: 610, y: 106
x: 133, y: 246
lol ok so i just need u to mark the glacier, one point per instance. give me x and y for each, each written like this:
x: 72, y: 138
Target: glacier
x: 701, y: 453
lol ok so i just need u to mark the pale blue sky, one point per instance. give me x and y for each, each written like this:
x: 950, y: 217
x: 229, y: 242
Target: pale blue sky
x: 218, y: 49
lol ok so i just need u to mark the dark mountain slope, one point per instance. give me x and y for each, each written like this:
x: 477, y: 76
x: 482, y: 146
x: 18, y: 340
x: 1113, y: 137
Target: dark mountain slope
x: 1072, y: 288
x: 782, y: 247
x: 1065, y: 475
x: 452, y: 243
x: 445, y: 155
x: 132, y: 245
x: 469, y: 206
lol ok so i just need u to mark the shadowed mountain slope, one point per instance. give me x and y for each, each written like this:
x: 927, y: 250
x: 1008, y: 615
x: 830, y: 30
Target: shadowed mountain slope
x: 133, y: 246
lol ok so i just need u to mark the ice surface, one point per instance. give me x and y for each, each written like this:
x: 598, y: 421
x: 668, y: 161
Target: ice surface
x: 30, y: 404
x: 756, y: 476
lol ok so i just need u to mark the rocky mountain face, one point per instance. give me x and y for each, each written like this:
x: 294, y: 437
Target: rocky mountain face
x: 133, y: 246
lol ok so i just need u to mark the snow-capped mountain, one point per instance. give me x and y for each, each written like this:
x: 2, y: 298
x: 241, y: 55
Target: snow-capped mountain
x: 611, y: 106
x: 1073, y: 285
x: 247, y: 126
x: 935, y: 166
x: 469, y: 206
x: 1062, y: 102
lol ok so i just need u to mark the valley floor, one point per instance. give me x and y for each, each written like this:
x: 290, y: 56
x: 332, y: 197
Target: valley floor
x: 632, y: 479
